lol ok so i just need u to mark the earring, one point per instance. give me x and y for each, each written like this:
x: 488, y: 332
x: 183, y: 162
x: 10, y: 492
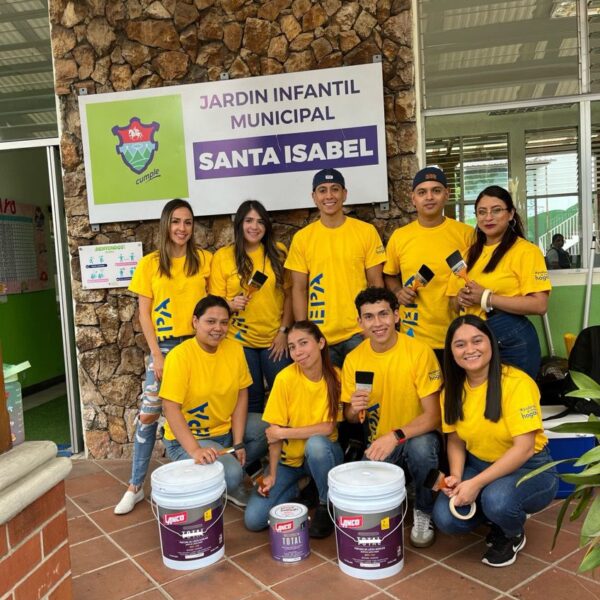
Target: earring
x: 512, y: 223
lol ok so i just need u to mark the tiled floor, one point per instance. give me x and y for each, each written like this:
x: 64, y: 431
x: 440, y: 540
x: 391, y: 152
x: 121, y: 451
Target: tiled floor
x: 117, y: 557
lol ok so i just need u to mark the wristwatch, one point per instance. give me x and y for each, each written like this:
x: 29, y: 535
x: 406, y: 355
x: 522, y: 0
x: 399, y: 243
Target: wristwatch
x: 284, y: 329
x: 400, y: 436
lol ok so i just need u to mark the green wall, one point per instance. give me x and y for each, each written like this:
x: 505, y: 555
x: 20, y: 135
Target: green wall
x: 30, y: 323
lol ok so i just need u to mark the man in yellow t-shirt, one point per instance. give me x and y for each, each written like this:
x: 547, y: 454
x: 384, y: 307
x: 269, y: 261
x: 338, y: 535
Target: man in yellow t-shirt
x: 402, y: 409
x: 331, y: 260
x: 425, y: 311
x: 204, y: 391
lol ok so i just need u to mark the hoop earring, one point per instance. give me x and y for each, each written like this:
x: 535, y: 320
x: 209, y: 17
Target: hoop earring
x: 512, y: 223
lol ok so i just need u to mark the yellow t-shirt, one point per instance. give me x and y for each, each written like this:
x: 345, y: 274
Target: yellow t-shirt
x: 521, y: 271
x: 335, y: 260
x: 256, y: 326
x: 402, y: 376
x: 174, y: 298
x: 409, y: 248
x: 296, y: 401
x: 521, y: 413
x: 205, y: 384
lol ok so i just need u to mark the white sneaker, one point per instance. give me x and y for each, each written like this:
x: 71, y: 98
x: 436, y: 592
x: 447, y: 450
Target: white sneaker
x: 128, y: 501
x: 239, y: 496
x: 422, y: 534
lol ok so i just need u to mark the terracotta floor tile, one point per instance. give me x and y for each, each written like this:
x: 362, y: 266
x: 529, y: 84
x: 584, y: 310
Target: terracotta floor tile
x: 572, y: 562
x: 81, y: 529
x: 326, y: 547
x: 444, y: 545
x: 72, y: 510
x: 88, y: 483
x: 232, y: 513
x: 138, y: 538
x: 239, y: 539
x: 121, y: 468
x: 152, y: 563
x: 107, y: 520
x: 264, y: 595
x: 539, y: 542
x: 211, y: 581
x: 413, y: 563
x: 325, y: 581
x: 83, y: 467
x: 439, y: 583
x: 154, y: 594
x: 101, y: 498
x: 94, y: 554
x: 115, y: 583
x: 549, y: 516
x: 260, y: 564
x: 556, y: 583
x: 469, y: 562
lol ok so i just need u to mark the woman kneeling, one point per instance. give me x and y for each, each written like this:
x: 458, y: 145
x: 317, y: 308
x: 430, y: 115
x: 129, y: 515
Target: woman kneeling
x: 492, y: 415
x: 302, y: 411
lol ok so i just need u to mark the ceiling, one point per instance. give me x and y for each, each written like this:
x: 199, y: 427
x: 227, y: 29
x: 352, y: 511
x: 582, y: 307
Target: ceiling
x: 27, y: 100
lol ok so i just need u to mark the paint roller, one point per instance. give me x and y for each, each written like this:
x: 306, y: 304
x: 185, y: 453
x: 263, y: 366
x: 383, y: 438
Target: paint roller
x: 436, y: 481
x: 423, y: 276
x: 364, y: 381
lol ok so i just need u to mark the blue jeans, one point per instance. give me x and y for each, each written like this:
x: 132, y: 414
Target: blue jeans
x: 254, y: 440
x: 518, y: 341
x: 418, y: 456
x: 261, y: 367
x: 501, y: 502
x: 145, y: 434
x: 320, y: 456
x: 339, y: 351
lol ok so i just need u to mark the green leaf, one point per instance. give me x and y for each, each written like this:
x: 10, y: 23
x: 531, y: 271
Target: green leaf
x: 592, y: 427
x: 561, y: 515
x: 589, y: 457
x: 592, y: 470
x: 583, y: 381
x: 591, y: 525
x: 542, y: 469
x: 580, y: 478
x: 591, y: 559
x: 586, y: 496
x: 585, y: 393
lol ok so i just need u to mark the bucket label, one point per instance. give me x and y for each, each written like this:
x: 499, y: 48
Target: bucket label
x: 289, y: 543
x: 193, y: 537
x: 375, y: 544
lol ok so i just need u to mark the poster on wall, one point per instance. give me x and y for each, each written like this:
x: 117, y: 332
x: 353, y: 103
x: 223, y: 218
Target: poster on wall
x: 220, y: 143
x: 23, y: 248
x: 108, y: 265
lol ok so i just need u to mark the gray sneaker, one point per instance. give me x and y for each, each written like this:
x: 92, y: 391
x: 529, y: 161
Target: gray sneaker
x: 239, y: 496
x: 422, y: 534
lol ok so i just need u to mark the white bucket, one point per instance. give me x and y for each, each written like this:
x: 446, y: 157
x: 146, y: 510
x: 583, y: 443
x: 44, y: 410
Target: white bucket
x: 189, y: 499
x: 368, y: 509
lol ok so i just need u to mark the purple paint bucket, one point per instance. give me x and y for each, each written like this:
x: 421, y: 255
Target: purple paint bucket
x: 189, y: 508
x: 288, y: 531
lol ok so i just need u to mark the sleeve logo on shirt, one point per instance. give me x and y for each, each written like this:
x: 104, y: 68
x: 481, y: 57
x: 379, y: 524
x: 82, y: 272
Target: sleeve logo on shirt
x: 542, y: 276
x: 435, y: 375
x: 529, y: 412
x: 380, y: 250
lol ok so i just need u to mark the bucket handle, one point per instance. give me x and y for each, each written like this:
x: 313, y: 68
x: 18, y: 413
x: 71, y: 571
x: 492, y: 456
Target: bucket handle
x: 157, y: 516
x: 404, y: 502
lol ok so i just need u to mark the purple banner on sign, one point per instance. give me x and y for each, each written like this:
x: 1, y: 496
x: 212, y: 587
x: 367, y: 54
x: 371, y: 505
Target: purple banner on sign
x: 313, y: 150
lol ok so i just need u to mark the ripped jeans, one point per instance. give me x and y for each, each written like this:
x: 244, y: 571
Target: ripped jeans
x: 145, y: 434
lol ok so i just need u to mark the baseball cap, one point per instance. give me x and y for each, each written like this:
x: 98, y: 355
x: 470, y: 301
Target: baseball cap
x: 430, y: 174
x: 328, y: 176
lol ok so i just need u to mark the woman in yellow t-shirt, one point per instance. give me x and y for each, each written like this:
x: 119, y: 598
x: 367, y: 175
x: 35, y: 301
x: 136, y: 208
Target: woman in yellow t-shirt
x: 491, y: 413
x: 508, y: 279
x: 302, y: 411
x: 169, y: 282
x: 261, y: 317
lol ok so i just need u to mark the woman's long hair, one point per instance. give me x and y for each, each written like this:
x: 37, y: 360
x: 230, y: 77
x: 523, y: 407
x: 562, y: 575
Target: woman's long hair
x: 334, y: 386
x: 192, y: 260
x: 242, y: 260
x: 512, y: 233
x: 455, y: 376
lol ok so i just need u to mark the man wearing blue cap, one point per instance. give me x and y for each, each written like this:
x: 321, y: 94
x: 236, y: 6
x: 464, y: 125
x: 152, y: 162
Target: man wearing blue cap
x: 331, y: 260
x: 425, y: 313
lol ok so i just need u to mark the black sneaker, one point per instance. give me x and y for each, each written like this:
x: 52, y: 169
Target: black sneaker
x: 321, y: 524
x: 493, y: 535
x: 504, y: 551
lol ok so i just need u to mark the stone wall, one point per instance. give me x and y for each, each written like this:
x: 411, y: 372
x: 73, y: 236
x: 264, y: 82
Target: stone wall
x: 116, y: 45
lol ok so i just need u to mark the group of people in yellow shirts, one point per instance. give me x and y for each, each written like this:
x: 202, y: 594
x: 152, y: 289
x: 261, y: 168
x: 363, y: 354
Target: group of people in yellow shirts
x: 441, y: 354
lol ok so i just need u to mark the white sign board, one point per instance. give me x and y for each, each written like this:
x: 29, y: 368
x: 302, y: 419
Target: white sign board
x: 220, y: 143
x: 108, y: 265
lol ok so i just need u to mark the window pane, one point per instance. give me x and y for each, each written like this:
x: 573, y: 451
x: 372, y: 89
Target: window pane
x: 478, y: 52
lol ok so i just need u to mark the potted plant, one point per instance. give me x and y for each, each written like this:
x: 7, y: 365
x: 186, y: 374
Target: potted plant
x: 585, y: 481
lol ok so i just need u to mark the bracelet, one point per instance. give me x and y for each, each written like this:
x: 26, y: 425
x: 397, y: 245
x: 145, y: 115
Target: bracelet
x: 400, y: 436
x: 484, y: 300
x: 283, y: 329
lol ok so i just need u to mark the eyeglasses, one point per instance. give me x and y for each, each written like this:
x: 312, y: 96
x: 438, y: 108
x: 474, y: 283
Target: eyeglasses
x: 495, y: 211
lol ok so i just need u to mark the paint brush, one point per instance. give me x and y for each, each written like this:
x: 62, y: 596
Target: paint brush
x: 364, y: 381
x: 457, y: 265
x: 423, y: 276
x: 231, y: 449
x: 435, y: 480
x: 256, y: 282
